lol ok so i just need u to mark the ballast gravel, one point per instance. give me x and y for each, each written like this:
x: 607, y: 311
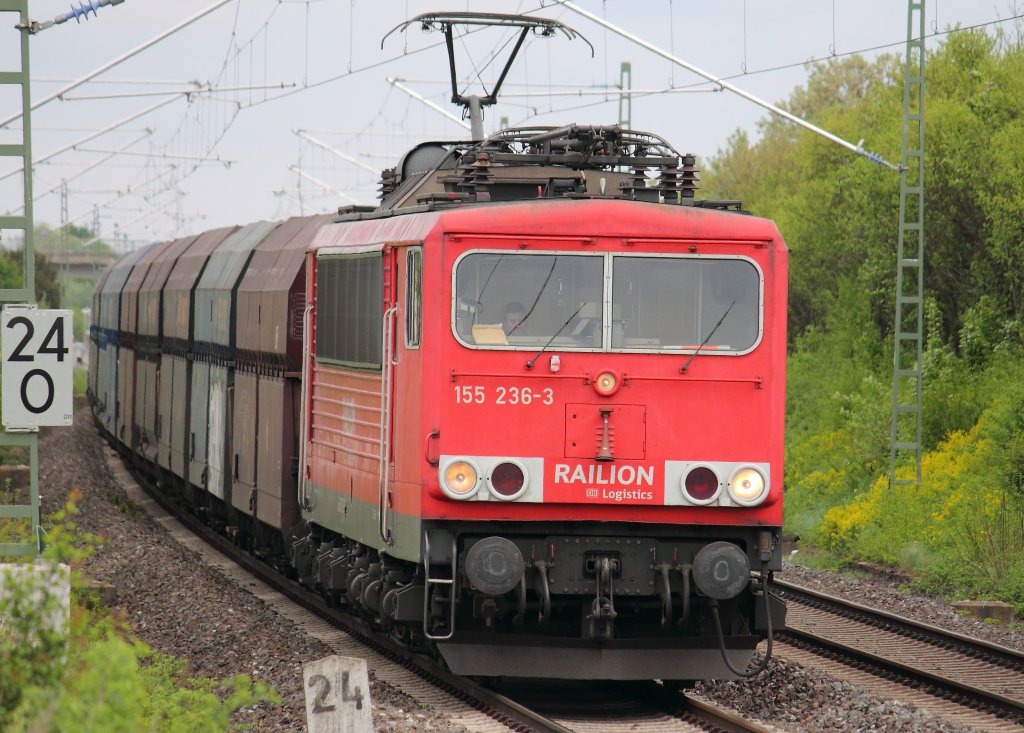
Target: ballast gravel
x: 891, y: 592
x: 181, y: 606
x: 792, y: 697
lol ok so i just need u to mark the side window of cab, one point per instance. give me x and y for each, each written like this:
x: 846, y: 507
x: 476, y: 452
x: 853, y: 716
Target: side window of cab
x: 413, y: 296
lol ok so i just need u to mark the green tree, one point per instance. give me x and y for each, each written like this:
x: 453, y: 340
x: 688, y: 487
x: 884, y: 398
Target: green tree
x: 68, y: 238
x: 47, y: 285
x: 839, y: 215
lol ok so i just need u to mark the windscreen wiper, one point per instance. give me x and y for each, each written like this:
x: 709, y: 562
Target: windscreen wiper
x: 480, y: 295
x: 530, y: 363
x: 536, y: 300
x: 703, y: 343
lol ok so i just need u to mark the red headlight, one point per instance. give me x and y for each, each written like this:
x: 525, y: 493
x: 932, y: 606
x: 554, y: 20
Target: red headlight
x: 508, y: 480
x: 701, y: 485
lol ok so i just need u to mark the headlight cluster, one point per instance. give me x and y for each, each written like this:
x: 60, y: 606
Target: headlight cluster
x: 461, y: 479
x: 703, y: 483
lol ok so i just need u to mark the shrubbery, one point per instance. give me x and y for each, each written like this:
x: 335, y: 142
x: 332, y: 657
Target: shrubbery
x: 962, y: 530
x: 113, y: 684
x: 96, y: 677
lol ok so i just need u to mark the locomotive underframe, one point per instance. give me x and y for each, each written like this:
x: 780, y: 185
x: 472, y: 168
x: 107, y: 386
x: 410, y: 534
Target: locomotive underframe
x: 645, y: 600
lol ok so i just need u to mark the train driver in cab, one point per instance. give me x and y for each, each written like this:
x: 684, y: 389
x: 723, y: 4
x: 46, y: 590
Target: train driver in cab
x: 512, y: 321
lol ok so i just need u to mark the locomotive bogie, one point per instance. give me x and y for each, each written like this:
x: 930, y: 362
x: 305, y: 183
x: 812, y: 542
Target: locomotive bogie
x: 554, y: 601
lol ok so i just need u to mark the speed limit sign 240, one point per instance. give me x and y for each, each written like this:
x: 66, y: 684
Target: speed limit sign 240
x: 37, y: 367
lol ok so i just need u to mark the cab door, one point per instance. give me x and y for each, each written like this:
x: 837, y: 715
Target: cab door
x: 407, y: 434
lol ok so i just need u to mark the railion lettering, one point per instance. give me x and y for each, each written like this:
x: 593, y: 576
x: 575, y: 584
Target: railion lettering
x: 604, y: 474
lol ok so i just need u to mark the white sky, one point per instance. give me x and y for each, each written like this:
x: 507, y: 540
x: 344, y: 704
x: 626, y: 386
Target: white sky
x: 313, y: 46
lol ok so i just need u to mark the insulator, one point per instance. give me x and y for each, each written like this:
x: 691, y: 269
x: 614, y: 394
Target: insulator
x: 83, y: 9
x: 476, y: 176
x: 637, y: 187
x: 669, y: 180
x: 386, y: 183
x: 690, y: 176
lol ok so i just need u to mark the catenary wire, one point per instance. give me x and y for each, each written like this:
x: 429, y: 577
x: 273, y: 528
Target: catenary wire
x: 783, y: 67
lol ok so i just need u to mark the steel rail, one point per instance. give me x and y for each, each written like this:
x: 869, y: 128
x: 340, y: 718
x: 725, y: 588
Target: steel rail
x: 501, y: 707
x: 702, y: 712
x: 997, y: 703
x: 910, y: 627
x: 616, y: 706
x: 495, y: 705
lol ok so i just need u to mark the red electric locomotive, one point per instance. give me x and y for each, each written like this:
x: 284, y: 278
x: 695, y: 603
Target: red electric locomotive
x: 527, y: 413
x: 543, y: 410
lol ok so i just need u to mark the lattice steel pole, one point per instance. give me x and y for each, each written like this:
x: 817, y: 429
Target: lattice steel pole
x: 905, y: 439
x: 27, y: 292
x: 626, y: 95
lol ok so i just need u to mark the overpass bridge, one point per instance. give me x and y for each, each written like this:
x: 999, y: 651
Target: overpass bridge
x: 80, y: 265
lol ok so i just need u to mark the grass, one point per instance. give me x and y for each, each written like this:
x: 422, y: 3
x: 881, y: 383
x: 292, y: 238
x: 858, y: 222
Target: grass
x: 81, y: 382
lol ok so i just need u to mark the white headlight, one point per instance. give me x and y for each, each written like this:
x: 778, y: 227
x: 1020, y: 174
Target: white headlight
x: 747, y: 486
x: 460, y: 479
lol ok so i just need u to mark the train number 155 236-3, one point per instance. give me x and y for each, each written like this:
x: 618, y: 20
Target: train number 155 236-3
x: 478, y: 395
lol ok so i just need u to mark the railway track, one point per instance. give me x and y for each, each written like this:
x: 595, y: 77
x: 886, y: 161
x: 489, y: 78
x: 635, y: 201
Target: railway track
x: 971, y: 673
x: 816, y: 622
x: 589, y: 707
x: 560, y: 708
